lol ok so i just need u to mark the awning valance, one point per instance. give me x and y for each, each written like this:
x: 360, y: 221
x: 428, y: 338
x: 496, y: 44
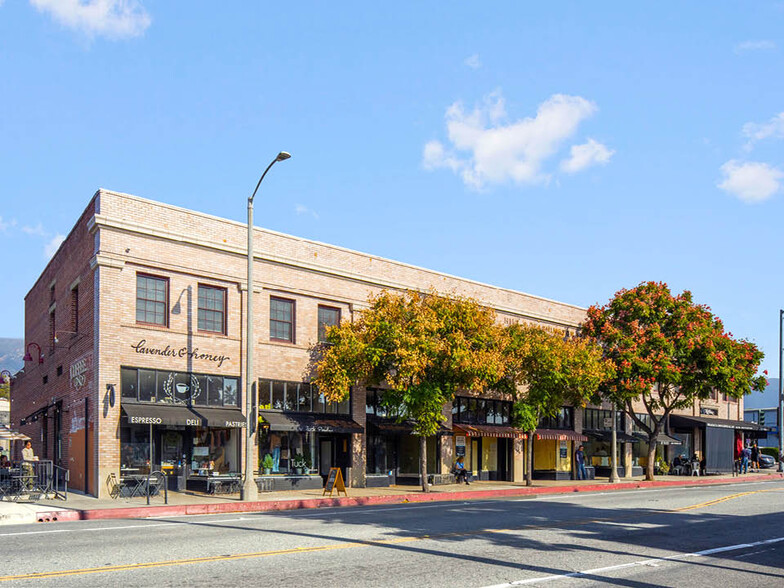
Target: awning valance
x: 559, y: 435
x: 159, y: 414
x: 489, y: 431
x: 677, y: 420
x: 306, y: 422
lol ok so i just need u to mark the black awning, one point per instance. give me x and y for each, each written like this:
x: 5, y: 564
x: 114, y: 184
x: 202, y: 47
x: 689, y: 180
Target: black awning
x: 607, y: 436
x: 663, y: 439
x: 677, y: 420
x: 384, y: 426
x: 313, y: 423
x: 160, y: 414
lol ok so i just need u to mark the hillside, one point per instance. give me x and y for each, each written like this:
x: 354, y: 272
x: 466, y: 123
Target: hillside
x: 11, y: 354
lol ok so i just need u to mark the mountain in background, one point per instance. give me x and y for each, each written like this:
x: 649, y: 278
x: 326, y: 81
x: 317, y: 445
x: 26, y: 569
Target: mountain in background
x: 11, y: 354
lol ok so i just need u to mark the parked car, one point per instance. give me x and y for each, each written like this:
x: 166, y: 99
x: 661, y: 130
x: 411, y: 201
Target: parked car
x: 766, y: 461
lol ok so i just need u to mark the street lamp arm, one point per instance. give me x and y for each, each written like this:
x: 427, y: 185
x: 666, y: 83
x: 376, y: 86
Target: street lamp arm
x: 283, y: 155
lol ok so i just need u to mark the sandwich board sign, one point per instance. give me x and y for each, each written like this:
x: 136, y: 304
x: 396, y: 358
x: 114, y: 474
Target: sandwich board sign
x: 335, y: 482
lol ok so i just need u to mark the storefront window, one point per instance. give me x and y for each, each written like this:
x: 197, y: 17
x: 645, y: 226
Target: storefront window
x: 480, y: 411
x: 166, y: 387
x: 284, y: 446
x: 215, y: 451
x: 380, y: 454
x: 298, y: 397
x: 135, y: 449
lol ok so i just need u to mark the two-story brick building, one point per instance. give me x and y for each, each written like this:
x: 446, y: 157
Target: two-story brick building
x: 140, y: 320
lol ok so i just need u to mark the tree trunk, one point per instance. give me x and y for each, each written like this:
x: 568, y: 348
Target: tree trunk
x: 423, y: 463
x: 529, y: 461
x: 651, y: 461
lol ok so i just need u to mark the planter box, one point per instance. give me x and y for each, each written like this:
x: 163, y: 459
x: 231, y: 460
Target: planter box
x: 377, y: 481
x: 278, y: 482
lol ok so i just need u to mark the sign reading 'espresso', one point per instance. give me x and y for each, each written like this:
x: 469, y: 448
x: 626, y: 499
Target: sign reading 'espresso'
x: 168, y: 351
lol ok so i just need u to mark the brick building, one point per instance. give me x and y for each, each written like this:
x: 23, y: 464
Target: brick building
x: 139, y: 317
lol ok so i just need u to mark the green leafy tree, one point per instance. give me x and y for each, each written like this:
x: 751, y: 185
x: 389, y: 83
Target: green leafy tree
x: 421, y: 348
x: 5, y: 386
x: 546, y: 370
x: 668, y: 352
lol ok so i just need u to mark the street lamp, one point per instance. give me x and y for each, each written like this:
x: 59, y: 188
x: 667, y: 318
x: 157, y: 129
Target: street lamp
x: 29, y: 357
x: 249, y: 489
x: 781, y: 396
x: 614, y: 479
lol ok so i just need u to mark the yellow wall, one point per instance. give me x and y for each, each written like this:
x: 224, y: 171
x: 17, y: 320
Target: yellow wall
x: 544, y: 454
x: 489, y: 453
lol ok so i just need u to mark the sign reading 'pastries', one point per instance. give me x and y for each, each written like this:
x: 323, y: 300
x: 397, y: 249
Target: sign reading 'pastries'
x: 168, y: 351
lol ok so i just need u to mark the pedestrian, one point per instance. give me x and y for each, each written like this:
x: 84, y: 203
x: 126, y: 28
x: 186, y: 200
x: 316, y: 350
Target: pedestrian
x: 755, y: 457
x: 744, y: 460
x: 579, y: 459
x: 460, y: 471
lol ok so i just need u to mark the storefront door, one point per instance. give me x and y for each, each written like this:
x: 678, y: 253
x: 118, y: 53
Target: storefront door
x: 476, y: 459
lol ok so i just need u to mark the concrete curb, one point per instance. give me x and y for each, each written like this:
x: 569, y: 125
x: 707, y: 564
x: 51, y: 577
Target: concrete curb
x: 138, y: 512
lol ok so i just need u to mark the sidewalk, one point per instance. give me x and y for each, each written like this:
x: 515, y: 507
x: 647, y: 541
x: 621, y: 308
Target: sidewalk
x: 81, y: 507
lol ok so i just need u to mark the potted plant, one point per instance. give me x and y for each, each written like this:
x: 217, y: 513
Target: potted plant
x: 267, y: 464
x: 298, y: 463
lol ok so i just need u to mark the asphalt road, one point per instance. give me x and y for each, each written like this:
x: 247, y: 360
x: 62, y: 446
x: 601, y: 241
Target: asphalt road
x: 715, y: 536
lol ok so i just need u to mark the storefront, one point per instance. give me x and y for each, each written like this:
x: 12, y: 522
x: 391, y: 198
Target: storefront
x: 303, y: 434
x: 186, y: 425
x: 597, y: 426
x: 392, y: 449
x: 554, y: 446
x: 714, y: 439
x: 484, y: 436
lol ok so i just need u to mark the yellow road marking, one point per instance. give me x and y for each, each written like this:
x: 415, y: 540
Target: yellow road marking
x: 221, y: 558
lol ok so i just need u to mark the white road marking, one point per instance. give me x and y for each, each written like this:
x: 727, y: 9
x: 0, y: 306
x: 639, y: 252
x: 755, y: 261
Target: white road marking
x: 648, y: 562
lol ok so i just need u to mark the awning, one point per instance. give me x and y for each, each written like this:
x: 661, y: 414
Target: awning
x: 607, y: 436
x: 7, y: 434
x: 677, y: 420
x: 160, y: 414
x: 489, y: 431
x: 306, y: 422
x: 663, y: 439
x: 559, y: 435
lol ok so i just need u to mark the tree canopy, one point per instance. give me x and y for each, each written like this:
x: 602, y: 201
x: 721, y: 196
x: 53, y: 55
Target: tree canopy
x: 421, y: 348
x: 668, y: 352
x: 548, y: 370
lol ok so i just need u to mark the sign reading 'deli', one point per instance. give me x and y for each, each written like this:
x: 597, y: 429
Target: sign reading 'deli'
x: 169, y: 351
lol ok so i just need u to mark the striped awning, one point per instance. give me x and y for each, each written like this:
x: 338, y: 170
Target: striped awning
x: 7, y: 434
x: 559, y: 435
x: 489, y: 431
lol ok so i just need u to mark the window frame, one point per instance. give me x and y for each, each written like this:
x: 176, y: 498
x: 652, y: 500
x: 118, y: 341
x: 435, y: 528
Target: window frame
x: 165, y: 280
x: 319, y: 323
x: 293, y: 339
x: 224, y: 311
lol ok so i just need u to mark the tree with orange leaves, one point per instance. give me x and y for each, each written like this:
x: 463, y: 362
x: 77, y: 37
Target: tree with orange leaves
x: 668, y: 352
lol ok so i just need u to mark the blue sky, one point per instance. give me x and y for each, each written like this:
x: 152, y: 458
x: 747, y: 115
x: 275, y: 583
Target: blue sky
x: 563, y: 149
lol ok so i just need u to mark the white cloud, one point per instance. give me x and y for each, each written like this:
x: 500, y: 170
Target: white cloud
x: 5, y: 225
x: 484, y: 150
x: 473, y: 61
x: 301, y: 209
x: 114, y: 19
x: 51, y: 247
x: 757, y: 132
x: 585, y: 155
x: 750, y: 181
x: 760, y: 45
x: 36, y: 230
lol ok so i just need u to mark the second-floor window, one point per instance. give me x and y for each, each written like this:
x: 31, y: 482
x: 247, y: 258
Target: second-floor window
x: 327, y: 317
x: 561, y: 420
x: 212, y: 309
x: 480, y: 411
x: 282, y: 320
x: 152, y: 297
x: 75, y: 309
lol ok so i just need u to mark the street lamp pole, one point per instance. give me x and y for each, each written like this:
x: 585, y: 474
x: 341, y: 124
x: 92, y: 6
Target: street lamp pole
x: 781, y: 395
x: 614, y: 479
x: 249, y: 489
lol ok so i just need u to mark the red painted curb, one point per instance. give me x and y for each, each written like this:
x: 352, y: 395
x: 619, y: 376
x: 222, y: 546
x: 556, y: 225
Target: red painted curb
x: 134, y: 512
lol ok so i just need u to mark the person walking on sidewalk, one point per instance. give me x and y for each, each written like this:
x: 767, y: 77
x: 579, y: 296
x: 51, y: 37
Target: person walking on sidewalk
x: 755, y: 457
x: 744, y: 460
x: 579, y: 459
